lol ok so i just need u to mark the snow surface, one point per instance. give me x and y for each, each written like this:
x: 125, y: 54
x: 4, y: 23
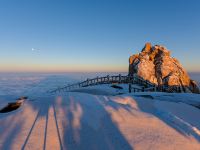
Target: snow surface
x: 97, y: 117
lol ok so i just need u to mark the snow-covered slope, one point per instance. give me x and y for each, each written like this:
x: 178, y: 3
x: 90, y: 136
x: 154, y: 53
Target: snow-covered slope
x: 97, y: 117
x: 83, y: 121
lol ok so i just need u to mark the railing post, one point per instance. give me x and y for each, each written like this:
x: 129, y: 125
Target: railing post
x: 142, y: 89
x: 119, y: 78
x: 108, y: 78
x: 129, y: 79
x: 97, y: 79
x: 179, y: 89
x: 129, y: 88
x: 146, y: 83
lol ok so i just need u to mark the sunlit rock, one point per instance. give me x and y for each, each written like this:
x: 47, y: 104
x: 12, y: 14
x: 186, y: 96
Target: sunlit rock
x: 155, y: 64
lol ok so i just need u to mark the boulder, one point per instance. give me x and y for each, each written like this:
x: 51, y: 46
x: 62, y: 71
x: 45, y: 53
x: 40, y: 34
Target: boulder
x: 155, y: 64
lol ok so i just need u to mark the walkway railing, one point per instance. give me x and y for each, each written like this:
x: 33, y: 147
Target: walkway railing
x: 106, y: 80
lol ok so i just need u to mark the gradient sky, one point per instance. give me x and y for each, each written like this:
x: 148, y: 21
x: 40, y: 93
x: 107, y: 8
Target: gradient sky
x: 96, y: 35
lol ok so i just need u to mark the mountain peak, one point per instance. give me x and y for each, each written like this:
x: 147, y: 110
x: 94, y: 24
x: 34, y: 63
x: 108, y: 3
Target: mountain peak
x: 155, y: 64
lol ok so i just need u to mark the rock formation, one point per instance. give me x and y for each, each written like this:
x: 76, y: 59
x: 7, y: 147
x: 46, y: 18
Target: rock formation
x: 155, y: 64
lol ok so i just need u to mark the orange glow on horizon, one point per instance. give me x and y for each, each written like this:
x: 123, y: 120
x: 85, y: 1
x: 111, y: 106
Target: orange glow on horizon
x: 61, y: 68
x: 22, y: 67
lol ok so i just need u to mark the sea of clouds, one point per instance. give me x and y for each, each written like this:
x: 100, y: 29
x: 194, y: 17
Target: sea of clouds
x: 38, y: 83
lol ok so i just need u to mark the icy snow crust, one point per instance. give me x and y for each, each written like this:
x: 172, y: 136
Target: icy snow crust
x: 98, y: 118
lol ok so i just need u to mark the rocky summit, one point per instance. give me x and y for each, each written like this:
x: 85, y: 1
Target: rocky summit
x: 155, y: 64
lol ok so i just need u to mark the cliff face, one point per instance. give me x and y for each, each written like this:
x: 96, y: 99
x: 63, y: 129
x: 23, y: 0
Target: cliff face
x: 155, y: 64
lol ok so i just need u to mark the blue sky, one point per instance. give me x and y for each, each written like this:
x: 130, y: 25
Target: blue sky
x: 96, y: 35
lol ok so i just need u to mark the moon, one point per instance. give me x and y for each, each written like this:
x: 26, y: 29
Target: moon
x: 33, y: 49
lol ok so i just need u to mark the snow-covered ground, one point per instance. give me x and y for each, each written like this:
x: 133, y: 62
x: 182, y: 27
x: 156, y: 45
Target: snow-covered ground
x: 100, y: 117
x: 85, y: 121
